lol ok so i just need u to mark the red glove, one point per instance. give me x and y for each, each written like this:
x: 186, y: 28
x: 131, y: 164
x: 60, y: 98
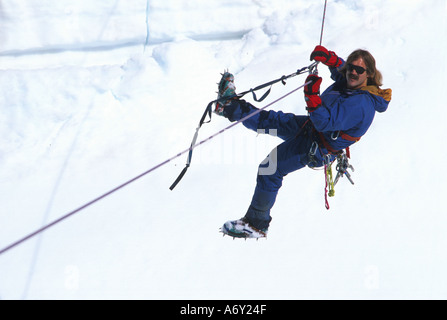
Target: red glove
x: 328, y: 58
x: 312, y: 92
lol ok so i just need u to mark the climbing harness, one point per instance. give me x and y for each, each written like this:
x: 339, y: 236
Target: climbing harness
x: 330, y: 155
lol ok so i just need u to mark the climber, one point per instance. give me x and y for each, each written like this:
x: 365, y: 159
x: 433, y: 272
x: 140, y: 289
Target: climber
x: 336, y: 119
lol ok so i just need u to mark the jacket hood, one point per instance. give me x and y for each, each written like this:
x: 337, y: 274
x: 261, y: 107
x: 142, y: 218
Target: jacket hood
x: 382, y: 97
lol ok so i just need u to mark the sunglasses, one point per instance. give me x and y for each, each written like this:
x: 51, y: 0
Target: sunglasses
x: 358, y: 69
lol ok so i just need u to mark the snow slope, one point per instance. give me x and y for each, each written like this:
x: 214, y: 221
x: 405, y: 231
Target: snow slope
x: 94, y: 93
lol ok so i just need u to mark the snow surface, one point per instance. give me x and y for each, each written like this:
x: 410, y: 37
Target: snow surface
x: 93, y: 93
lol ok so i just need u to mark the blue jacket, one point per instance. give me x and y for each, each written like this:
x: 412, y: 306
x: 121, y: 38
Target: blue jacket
x: 347, y: 111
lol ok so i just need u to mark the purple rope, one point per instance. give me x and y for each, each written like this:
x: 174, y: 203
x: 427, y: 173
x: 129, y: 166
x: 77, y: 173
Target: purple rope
x: 71, y: 213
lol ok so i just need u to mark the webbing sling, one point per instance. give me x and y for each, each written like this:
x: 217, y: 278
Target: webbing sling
x: 208, y: 111
x: 343, y: 135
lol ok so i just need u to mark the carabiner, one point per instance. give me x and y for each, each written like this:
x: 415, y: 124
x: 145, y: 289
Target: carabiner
x: 336, y: 136
x: 313, y: 68
x: 313, y: 148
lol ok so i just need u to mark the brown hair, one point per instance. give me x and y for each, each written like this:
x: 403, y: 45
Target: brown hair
x: 374, y: 75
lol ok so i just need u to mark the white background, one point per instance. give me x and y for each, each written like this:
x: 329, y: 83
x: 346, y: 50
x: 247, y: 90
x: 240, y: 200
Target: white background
x: 94, y: 93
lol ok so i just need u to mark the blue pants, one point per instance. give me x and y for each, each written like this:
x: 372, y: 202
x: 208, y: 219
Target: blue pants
x: 291, y: 155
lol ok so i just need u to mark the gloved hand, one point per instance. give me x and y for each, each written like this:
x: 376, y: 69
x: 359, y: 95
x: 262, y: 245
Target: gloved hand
x: 328, y: 58
x: 312, y: 92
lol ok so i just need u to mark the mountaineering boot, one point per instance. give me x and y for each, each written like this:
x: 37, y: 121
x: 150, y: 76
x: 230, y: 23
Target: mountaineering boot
x: 242, y: 229
x: 226, y: 89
